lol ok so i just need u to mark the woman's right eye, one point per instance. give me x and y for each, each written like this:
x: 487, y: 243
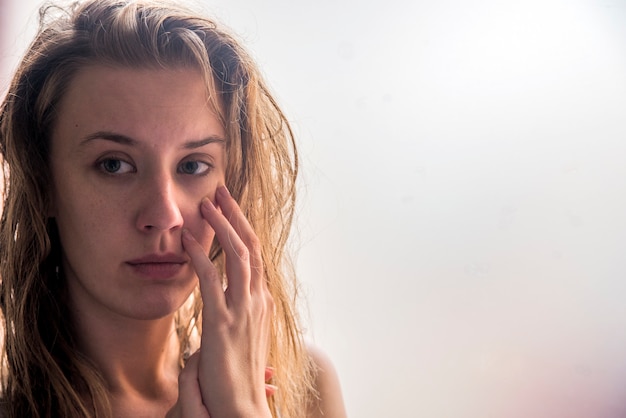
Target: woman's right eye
x: 115, y: 166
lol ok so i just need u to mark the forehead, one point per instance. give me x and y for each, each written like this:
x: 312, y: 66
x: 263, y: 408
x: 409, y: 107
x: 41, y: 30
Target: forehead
x: 137, y: 102
x: 137, y: 86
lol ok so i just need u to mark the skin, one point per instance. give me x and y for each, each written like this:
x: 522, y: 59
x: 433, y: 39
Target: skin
x: 138, y: 165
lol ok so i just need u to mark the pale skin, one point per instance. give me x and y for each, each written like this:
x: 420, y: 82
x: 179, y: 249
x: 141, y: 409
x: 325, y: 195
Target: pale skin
x: 138, y: 167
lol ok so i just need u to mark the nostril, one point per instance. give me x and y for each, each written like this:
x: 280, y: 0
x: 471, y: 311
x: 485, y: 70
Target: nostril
x: 160, y: 209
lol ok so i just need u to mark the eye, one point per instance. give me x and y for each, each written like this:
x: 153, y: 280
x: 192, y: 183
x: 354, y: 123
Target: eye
x: 194, y: 167
x: 115, y: 166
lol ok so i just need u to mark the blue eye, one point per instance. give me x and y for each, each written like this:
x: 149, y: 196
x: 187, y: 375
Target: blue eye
x: 194, y: 167
x: 115, y: 166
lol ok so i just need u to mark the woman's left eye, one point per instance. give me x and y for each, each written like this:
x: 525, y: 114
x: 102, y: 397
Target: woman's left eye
x: 194, y: 167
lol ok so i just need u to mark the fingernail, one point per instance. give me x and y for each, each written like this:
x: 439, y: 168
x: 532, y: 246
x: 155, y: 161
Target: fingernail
x: 206, y: 202
x: 187, y: 235
x: 224, y: 190
x: 270, y: 390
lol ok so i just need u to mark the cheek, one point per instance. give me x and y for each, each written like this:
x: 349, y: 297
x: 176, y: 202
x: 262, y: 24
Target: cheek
x: 200, y: 229
x: 98, y: 216
x: 192, y: 216
x: 206, y: 238
x: 82, y: 212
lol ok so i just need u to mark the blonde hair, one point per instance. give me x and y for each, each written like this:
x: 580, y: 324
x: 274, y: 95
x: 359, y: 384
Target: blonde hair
x: 43, y: 372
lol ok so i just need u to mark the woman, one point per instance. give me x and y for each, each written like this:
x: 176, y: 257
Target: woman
x: 149, y: 190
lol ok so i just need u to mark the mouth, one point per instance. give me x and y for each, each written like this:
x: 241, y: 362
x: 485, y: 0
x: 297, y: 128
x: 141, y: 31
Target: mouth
x: 156, y: 266
x: 167, y: 258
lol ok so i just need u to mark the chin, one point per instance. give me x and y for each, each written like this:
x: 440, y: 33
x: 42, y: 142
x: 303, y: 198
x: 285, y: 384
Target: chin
x: 157, y: 306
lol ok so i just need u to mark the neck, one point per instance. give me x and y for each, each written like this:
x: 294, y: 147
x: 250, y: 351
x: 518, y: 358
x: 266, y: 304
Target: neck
x: 137, y: 358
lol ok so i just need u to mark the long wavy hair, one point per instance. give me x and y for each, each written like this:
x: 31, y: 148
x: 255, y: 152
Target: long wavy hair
x: 43, y: 372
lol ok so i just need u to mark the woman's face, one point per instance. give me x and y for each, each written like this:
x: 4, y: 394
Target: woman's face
x: 133, y: 153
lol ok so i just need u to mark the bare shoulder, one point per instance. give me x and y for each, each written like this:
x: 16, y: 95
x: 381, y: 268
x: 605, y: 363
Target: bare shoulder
x: 329, y: 403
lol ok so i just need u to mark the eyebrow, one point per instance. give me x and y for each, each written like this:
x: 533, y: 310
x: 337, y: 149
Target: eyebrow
x: 208, y: 140
x: 126, y: 140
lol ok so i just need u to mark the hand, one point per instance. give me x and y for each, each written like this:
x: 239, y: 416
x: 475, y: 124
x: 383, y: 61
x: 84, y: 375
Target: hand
x: 235, y: 322
x: 189, y: 402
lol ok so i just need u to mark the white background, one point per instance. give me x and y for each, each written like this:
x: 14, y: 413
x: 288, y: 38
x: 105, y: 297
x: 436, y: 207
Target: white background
x: 462, y: 219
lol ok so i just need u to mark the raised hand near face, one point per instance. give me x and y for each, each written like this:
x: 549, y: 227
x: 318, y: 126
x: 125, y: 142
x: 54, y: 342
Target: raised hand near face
x: 231, y: 363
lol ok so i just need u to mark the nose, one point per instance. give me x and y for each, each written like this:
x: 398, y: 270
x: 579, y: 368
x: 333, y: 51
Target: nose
x: 159, y: 209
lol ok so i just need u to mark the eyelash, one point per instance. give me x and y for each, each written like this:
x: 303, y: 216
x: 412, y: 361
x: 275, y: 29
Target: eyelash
x: 204, y: 172
x: 101, y: 165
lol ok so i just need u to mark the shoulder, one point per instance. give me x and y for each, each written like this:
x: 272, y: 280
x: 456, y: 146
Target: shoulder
x: 329, y: 402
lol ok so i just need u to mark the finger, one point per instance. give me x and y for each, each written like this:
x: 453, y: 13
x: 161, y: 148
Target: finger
x: 210, y: 282
x: 235, y: 250
x: 190, y: 401
x: 244, y: 230
x: 270, y: 390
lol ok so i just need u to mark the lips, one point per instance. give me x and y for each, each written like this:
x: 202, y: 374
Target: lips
x: 158, y: 266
